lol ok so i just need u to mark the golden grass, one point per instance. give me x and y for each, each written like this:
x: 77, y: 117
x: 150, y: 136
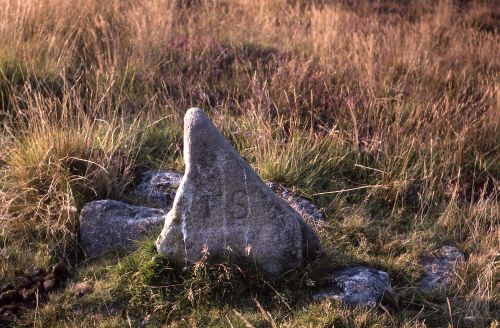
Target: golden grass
x: 386, y: 114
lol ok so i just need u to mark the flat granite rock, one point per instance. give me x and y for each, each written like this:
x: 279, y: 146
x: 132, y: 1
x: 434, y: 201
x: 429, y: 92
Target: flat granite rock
x: 439, y: 269
x: 357, y: 285
x: 157, y: 188
x: 222, y: 208
x: 112, y: 225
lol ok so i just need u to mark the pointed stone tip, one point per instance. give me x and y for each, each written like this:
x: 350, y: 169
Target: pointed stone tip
x: 194, y: 111
x: 195, y: 118
x: 195, y: 114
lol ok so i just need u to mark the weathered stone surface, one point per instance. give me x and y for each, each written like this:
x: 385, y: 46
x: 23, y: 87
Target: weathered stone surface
x: 356, y: 286
x: 110, y: 224
x: 439, y: 269
x: 157, y: 187
x: 307, y: 209
x: 222, y: 207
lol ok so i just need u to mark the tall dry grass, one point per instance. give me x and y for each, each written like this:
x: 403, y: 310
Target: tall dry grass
x: 399, y: 101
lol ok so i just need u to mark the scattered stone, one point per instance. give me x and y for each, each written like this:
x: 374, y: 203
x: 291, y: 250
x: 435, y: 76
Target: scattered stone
x: 8, y: 310
x: 59, y: 271
x: 356, y: 286
x: 439, y: 269
x: 30, y: 289
x: 6, y: 287
x: 36, y: 284
x: 27, y: 294
x: 37, y: 272
x: 452, y: 253
x: 157, y: 188
x: 112, y: 225
x: 222, y: 208
x: 25, y: 281
x: 9, y: 297
x: 307, y: 209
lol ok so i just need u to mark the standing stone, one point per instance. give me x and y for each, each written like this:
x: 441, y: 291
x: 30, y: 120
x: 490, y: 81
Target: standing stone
x: 157, y: 188
x: 222, y: 207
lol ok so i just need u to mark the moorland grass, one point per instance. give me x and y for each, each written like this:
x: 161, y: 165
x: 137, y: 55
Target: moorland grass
x: 385, y: 114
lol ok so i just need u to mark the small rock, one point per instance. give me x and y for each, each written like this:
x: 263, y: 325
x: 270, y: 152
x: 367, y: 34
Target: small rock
x: 307, y: 209
x: 24, y: 282
x: 222, y: 207
x: 37, y: 273
x: 49, y: 285
x: 356, y: 286
x: 10, y: 296
x: 451, y: 253
x: 59, y: 271
x: 110, y: 224
x: 27, y: 294
x: 439, y: 269
x: 10, y: 310
x: 157, y: 187
x: 113, y: 311
x: 6, y: 287
x: 36, y: 284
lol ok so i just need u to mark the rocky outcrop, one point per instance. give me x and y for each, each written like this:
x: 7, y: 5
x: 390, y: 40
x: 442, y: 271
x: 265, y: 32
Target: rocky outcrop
x: 112, y: 225
x: 439, y: 268
x: 355, y: 286
x: 222, y: 208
